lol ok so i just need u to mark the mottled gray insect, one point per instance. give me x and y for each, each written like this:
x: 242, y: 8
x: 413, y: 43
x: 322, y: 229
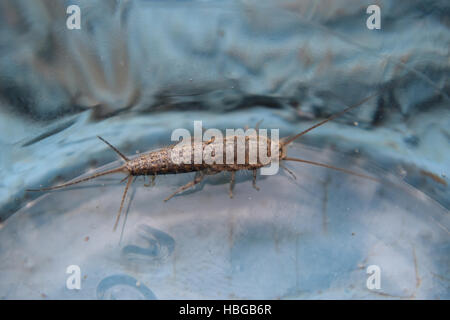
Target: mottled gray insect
x: 160, y: 162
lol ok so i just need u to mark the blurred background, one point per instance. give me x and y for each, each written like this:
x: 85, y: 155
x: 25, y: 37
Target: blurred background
x: 136, y: 70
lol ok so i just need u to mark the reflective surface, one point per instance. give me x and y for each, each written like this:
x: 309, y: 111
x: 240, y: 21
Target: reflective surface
x: 137, y: 70
x: 313, y: 237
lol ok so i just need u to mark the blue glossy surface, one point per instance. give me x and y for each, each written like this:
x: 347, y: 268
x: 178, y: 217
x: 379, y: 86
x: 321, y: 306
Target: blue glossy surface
x: 137, y: 70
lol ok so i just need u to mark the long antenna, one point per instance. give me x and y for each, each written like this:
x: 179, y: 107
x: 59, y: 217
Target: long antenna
x: 331, y: 167
x: 115, y: 149
x: 329, y: 119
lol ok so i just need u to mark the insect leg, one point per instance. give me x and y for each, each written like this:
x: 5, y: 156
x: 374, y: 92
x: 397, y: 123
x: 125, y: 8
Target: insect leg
x: 198, y: 178
x: 130, y: 179
x: 254, y: 180
x: 147, y: 184
x: 151, y: 182
x: 233, y: 175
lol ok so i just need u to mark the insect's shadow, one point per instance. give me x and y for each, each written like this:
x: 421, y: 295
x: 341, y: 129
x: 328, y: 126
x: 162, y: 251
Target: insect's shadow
x: 127, y: 211
x: 222, y: 178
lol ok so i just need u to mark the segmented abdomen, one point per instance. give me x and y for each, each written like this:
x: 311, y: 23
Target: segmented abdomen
x: 238, y: 153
